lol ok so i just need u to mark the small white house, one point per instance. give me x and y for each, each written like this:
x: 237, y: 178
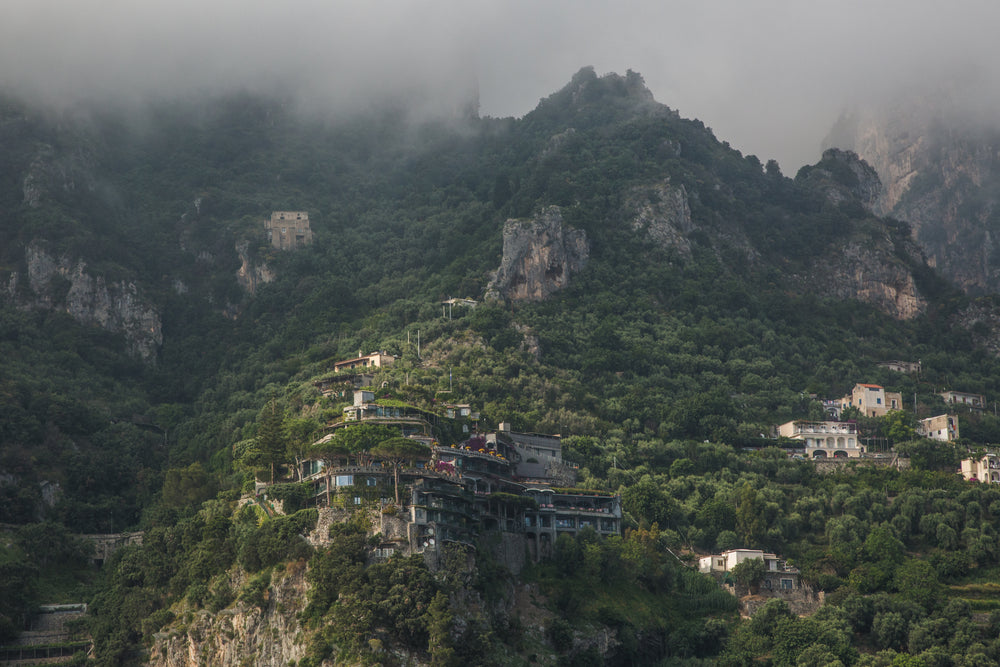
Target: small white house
x: 778, y: 576
x: 727, y: 560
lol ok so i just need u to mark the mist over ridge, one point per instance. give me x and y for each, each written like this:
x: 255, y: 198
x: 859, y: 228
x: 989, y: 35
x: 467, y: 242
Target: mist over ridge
x: 771, y: 78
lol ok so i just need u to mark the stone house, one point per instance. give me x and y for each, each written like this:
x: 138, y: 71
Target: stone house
x: 911, y: 367
x: 942, y: 427
x: 873, y: 400
x: 373, y: 360
x: 288, y: 230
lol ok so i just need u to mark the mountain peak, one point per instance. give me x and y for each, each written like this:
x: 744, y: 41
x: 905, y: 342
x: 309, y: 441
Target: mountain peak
x: 588, y: 92
x: 843, y: 175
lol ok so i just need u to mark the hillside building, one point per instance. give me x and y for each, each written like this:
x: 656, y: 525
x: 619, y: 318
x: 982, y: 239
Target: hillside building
x: 824, y: 439
x: 412, y: 421
x: 942, y: 427
x: 373, y: 360
x: 343, y: 384
x: 975, y: 402
x: 485, y: 483
x: 910, y: 367
x: 985, y: 469
x: 873, y: 400
x: 448, y: 306
x: 778, y: 573
x: 288, y: 230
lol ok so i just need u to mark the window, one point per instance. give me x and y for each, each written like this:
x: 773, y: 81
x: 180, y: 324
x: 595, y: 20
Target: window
x: 786, y: 584
x: 372, y: 481
x: 878, y: 401
x: 345, y: 480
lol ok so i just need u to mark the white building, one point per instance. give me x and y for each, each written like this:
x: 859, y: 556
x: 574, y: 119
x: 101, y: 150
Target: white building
x: 971, y: 401
x: 824, y: 439
x: 727, y: 560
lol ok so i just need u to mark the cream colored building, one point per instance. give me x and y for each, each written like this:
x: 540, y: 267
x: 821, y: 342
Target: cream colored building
x: 373, y: 360
x: 942, y: 427
x: 824, y: 439
x: 986, y: 469
x: 288, y: 230
x: 873, y: 400
x: 971, y: 401
x: 901, y: 366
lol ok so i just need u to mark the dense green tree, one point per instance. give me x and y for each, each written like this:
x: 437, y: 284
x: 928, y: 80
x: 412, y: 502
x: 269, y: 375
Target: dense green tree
x: 398, y: 452
x: 184, y: 487
x: 750, y: 573
x: 272, y: 438
x: 750, y: 522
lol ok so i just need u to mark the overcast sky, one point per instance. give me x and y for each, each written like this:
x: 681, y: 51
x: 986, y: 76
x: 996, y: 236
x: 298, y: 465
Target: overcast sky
x: 768, y: 76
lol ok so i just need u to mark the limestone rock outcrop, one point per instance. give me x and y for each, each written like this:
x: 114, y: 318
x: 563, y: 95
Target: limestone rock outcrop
x: 663, y: 215
x: 981, y: 319
x: 242, y: 634
x: 64, y: 285
x: 875, y: 263
x: 251, y: 274
x: 842, y: 175
x: 539, y: 256
x: 938, y: 163
x: 868, y: 270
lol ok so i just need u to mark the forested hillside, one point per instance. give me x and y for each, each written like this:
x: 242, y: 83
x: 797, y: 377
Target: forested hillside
x: 716, y: 298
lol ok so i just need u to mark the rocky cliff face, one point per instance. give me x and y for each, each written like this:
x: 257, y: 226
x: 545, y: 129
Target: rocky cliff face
x: 539, y: 256
x: 875, y: 264
x: 251, y: 274
x: 843, y: 176
x: 982, y: 320
x: 939, y: 170
x: 64, y: 284
x: 662, y: 214
x: 267, y: 636
x: 51, y: 171
x: 869, y: 270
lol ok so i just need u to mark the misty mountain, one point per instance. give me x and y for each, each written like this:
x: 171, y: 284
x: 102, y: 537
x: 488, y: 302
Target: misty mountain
x: 642, y: 288
x: 160, y: 202
x: 937, y: 161
x: 144, y: 231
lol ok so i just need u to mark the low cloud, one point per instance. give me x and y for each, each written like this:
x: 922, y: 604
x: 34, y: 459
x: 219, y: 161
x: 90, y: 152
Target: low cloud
x: 769, y: 76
